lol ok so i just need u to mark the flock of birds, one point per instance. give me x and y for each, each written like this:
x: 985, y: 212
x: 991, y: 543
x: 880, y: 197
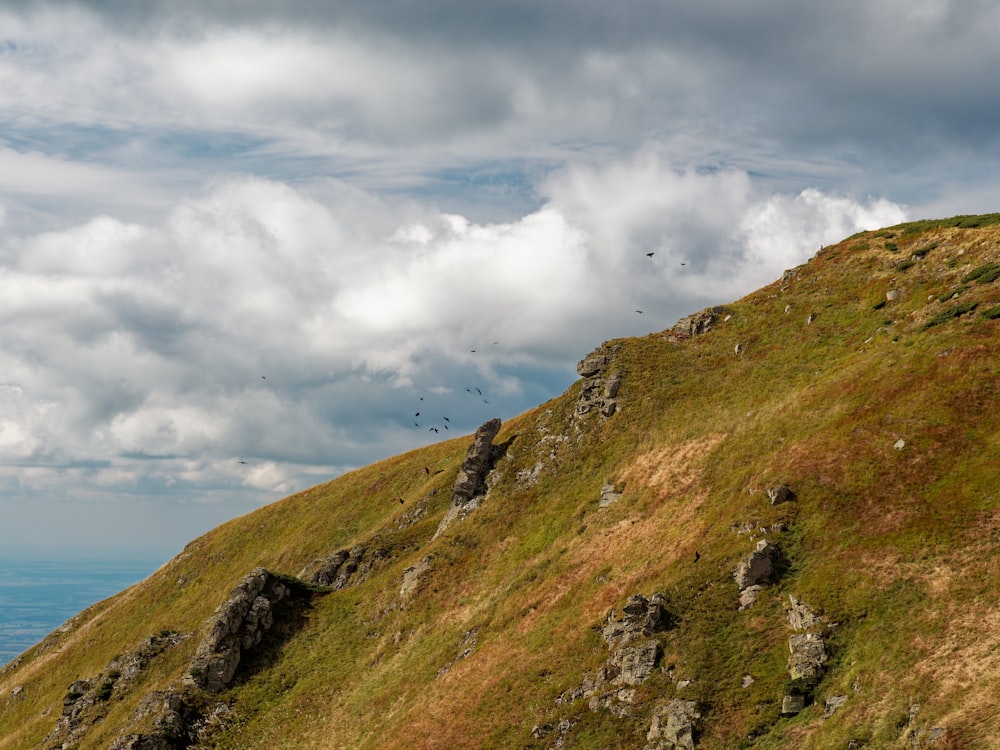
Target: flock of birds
x: 473, y: 390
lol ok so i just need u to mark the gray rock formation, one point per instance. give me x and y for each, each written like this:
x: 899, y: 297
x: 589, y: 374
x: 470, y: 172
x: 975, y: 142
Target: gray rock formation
x: 800, y: 617
x: 471, y: 479
x: 634, y: 656
x: 833, y: 704
x: 673, y: 726
x: 345, y: 567
x: 698, y: 323
x: 87, y: 701
x: 792, y: 704
x: 609, y: 496
x: 780, y: 494
x: 807, y: 656
x: 600, y: 382
x: 236, y: 627
x: 758, y: 567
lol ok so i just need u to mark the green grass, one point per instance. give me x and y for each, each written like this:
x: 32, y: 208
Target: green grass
x: 882, y: 541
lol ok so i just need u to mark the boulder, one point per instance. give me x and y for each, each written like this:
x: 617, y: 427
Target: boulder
x: 609, y: 496
x: 807, y: 657
x: 800, y: 617
x: 673, y: 726
x: 792, y: 704
x: 698, y: 323
x: 780, y: 494
x: 758, y: 567
x: 833, y: 703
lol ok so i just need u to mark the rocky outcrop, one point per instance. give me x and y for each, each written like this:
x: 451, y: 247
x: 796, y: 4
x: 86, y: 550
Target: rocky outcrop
x: 674, y: 726
x: 698, y: 323
x: 601, y: 382
x: 635, y: 654
x: 758, y: 568
x: 807, y: 656
x: 345, y: 567
x: 87, y: 700
x: 471, y: 480
x: 609, y: 496
x: 237, y: 627
x: 780, y: 494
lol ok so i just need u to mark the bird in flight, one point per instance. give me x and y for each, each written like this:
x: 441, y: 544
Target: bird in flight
x: 241, y: 461
x: 639, y: 311
x: 432, y: 429
x: 649, y: 255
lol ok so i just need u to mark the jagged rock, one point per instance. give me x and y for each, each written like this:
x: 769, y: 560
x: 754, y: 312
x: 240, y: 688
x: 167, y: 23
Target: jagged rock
x: 634, y: 655
x: 86, y: 701
x: 237, y: 626
x: 344, y: 567
x: 833, y: 704
x: 757, y: 568
x: 471, y: 478
x: 673, y: 726
x: 609, y: 496
x: 469, y: 481
x: 780, y: 494
x: 698, y: 323
x: 807, y: 657
x: 800, y: 617
x: 600, y: 387
x: 792, y: 704
x: 748, y: 596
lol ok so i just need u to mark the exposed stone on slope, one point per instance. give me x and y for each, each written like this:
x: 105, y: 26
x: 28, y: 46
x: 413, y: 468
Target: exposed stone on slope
x: 634, y: 655
x: 345, y: 567
x: 698, y: 323
x: 601, y: 382
x: 471, y: 480
x: 673, y: 726
x: 87, y: 701
x: 609, y: 496
x: 807, y: 655
x: 236, y: 627
x: 780, y: 494
x: 758, y: 568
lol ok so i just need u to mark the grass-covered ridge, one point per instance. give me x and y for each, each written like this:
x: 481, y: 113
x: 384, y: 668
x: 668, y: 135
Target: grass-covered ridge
x: 865, y: 380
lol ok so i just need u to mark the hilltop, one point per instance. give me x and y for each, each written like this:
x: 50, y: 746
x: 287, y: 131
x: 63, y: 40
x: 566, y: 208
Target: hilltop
x: 774, y: 524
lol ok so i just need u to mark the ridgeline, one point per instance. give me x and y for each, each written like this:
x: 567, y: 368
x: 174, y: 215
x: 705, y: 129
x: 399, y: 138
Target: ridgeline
x: 775, y: 524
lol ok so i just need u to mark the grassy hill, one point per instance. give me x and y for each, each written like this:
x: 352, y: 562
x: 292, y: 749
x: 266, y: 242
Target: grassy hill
x: 864, y: 381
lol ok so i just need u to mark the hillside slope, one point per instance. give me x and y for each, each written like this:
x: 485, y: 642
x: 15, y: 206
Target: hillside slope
x: 774, y: 525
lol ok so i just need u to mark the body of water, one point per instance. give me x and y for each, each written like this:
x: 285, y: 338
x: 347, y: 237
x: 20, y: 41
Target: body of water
x: 38, y: 596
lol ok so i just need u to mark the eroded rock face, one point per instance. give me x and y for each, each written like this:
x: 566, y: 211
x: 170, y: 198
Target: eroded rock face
x: 700, y: 322
x: 601, y: 382
x: 807, y: 655
x: 236, y: 627
x: 673, y: 727
x: 758, y: 567
x: 471, y: 480
x: 635, y: 654
x: 87, y: 701
x: 344, y: 567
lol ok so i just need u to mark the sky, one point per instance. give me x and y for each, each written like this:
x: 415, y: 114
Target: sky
x: 243, y: 243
